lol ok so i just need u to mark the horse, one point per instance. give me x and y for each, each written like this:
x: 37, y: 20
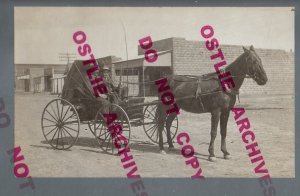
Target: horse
x: 204, y: 94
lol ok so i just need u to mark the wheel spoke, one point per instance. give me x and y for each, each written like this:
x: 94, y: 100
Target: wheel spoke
x: 54, y: 112
x: 49, y: 120
x: 62, y: 138
x: 59, y: 119
x: 66, y: 113
x: 106, y: 134
x: 151, y: 128
x: 99, y: 126
x: 99, y: 129
x: 71, y: 128
x: 154, y: 131
x: 74, y: 114
x: 51, y: 115
x: 50, y: 131
x: 57, y: 138
x: 49, y: 126
x: 150, y: 124
x: 150, y: 113
x: 153, y: 108
x: 57, y: 109
x: 68, y: 132
x: 70, y: 122
x: 64, y: 134
x: 62, y: 109
x: 104, y: 140
x: 102, y: 129
x: 101, y: 135
x: 54, y: 135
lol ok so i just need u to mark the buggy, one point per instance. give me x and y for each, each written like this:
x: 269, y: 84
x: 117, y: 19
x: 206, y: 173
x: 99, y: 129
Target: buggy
x: 63, y: 117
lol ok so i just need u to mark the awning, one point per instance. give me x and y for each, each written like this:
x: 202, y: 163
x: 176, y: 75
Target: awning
x: 163, y: 60
x: 23, y: 77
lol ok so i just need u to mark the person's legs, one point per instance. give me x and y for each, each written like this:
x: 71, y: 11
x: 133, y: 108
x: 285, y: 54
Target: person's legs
x: 104, y: 104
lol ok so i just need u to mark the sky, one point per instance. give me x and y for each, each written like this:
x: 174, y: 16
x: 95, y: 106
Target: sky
x: 41, y: 33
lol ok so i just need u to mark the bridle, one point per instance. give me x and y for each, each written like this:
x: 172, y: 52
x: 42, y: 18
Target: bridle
x: 250, y: 75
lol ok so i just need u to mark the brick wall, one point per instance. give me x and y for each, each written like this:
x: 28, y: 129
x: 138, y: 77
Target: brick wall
x: 191, y: 57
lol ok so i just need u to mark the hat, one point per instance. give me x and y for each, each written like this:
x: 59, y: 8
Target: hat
x: 105, y: 68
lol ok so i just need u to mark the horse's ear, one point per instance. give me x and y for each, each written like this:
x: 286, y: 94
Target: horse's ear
x: 251, y: 48
x: 245, y: 49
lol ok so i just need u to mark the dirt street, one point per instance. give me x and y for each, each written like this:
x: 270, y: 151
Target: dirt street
x: 271, y: 118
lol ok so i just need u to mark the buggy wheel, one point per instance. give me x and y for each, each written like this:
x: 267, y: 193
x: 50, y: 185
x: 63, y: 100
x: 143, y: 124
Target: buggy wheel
x: 91, y: 126
x: 60, y: 124
x: 100, y: 130
x: 150, y: 125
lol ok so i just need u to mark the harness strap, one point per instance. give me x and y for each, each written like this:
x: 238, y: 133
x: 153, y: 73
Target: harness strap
x: 234, y: 92
x: 197, y: 89
x: 197, y: 93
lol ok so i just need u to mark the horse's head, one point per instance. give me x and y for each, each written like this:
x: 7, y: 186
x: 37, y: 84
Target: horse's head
x: 254, y: 67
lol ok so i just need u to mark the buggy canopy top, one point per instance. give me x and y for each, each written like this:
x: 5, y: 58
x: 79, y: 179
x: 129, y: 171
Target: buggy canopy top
x: 77, y: 79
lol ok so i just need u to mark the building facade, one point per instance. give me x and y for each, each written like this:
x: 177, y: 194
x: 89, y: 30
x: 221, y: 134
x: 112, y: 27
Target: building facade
x: 175, y: 56
x: 39, y: 78
x: 49, y: 78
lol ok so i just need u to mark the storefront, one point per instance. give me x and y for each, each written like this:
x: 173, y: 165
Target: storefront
x: 137, y: 73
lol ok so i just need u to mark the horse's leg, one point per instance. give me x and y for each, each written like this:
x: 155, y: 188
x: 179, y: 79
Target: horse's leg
x: 215, y: 117
x: 223, y: 130
x: 161, y: 119
x: 169, y: 121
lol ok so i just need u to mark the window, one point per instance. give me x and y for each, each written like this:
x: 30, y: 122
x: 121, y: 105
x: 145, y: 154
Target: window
x: 128, y: 72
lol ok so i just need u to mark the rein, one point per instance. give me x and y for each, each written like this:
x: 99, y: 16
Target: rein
x: 193, y: 79
x: 199, y: 78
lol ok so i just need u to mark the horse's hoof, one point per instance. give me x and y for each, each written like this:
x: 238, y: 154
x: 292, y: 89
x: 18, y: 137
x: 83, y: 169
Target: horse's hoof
x: 227, y: 156
x: 162, y: 152
x: 171, y: 148
x: 212, y: 159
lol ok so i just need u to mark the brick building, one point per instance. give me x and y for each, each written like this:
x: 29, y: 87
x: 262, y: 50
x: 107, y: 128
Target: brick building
x: 193, y: 57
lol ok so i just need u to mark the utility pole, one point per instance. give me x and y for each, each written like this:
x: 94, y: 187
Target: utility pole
x: 67, y: 57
